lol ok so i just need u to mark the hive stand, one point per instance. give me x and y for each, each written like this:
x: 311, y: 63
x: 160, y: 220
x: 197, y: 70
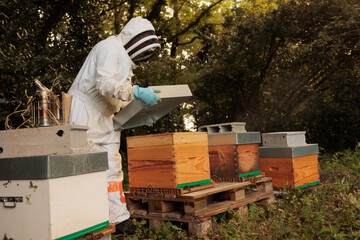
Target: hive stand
x: 196, y: 208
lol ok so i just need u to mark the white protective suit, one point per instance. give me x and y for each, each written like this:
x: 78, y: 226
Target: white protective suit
x: 101, y: 87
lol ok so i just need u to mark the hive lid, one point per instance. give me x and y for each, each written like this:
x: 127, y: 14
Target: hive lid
x: 136, y: 113
x: 288, y: 152
x: 284, y: 139
x: 52, y: 166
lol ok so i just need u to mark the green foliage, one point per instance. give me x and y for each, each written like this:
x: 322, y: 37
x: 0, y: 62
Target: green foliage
x: 49, y: 42
x: 52, y: 39
x: 167, y: 232
x: 285, y: 65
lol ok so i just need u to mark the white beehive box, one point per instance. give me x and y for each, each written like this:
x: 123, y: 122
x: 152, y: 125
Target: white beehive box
x: 284, y: 139
x: 63, y: 195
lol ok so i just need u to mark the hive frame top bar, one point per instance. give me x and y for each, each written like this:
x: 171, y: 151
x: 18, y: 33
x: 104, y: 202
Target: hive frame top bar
x: 136, y: 113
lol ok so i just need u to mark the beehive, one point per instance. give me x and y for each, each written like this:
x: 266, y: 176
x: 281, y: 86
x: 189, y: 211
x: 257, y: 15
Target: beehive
x: 58, y: 196
x: 169, y: 160
x: 290, y: 166
x: 234, y: 154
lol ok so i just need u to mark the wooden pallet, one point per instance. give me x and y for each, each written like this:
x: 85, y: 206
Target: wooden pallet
x: 94, y: 236
x: 196, y: 208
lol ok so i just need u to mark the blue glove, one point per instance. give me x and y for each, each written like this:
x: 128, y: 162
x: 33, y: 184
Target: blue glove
x: 146, y: 95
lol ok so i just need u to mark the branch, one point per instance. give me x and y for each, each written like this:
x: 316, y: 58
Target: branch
x: 115, y: 5
x: 196, y: 21
x: 191, y: 41
x: 155, y: 10
x: 52, y: 15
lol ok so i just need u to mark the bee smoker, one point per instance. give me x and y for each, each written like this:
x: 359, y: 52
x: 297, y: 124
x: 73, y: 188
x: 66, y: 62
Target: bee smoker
x: 46, y: 107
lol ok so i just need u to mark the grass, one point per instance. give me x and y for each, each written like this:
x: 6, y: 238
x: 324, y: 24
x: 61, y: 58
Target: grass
x: 331, y: 212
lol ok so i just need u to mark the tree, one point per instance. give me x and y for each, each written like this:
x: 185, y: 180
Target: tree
x: 264, y: 69
x: 49, y: 42
x: 52, y: 39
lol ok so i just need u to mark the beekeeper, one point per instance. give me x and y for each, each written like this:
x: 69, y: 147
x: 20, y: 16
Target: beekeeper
x: 101, y: 87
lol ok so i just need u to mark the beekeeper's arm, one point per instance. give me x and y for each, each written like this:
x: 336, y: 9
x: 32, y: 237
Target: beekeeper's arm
x: 112, y: 73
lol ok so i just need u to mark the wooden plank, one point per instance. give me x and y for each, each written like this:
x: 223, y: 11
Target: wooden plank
x: 222, y: 187
x: 165, y: 218
x: 306, y: 161
x: 219, y: 187
x: 158, y: 153
x: 149, y: 140
x: 306, y: 176
x: 192, y: 163
x: 180, y: 138
x: 153, y: 174
x: 65, y: 106
x: 110, y: 229
x: 197, y: 188
x: 175, y: 138
x: 220, y: 207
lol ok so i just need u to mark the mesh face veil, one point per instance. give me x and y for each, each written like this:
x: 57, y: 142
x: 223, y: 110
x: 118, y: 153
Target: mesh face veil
x: 140, y: 40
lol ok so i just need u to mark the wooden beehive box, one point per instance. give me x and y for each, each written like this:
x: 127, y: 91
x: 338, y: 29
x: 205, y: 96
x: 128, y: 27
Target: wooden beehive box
x: 169, y: 160
x: 234, y: 154
x: 296, y: 167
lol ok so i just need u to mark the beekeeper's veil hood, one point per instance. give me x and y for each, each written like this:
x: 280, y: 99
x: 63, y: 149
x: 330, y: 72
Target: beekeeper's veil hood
x: 139, y: 39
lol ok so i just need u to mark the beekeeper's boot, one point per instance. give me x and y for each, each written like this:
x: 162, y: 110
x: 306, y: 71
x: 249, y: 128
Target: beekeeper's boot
x: 126, y: 227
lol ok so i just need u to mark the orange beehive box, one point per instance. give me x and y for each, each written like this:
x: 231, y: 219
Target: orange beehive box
x: 234, y: 160
x: 297, y: 167
x: 169, y: 160
x: 234, y: 154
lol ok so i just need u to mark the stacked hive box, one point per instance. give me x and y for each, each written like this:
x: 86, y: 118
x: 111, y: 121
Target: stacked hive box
x: 233, y: 151
x: 168, y: 161
x: 52, y: 187
x: 287, y: 158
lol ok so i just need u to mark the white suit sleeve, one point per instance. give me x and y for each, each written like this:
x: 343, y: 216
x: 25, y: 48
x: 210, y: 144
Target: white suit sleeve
x: 112, y: 73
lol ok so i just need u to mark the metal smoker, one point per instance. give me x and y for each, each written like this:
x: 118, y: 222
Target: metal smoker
x: 46, y: 107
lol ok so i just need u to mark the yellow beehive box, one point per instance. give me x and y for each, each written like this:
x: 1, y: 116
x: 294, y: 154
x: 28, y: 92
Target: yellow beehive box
x: 169, y: 160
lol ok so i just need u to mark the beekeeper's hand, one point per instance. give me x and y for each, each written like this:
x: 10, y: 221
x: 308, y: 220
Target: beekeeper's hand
x: 146, y: 95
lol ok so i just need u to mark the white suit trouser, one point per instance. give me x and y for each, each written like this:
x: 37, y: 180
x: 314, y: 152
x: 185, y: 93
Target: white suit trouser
x: 103, y: 138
